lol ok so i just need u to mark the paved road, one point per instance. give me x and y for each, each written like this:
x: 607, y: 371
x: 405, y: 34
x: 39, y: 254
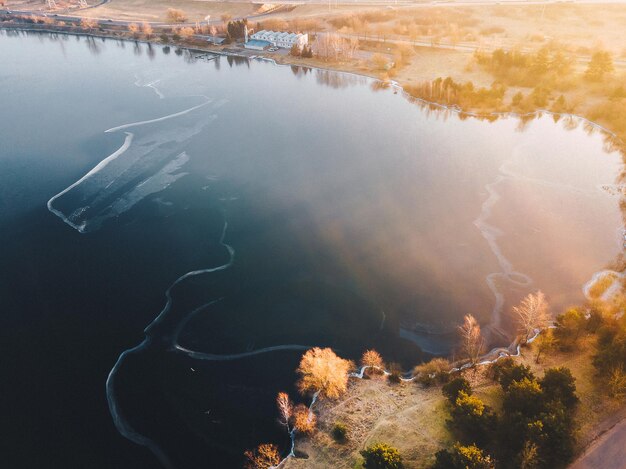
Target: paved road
x: 609, y: 452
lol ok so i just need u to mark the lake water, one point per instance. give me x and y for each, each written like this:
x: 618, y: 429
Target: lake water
x: 274, y: 208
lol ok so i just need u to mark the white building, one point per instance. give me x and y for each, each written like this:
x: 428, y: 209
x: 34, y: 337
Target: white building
x: 284, y: 40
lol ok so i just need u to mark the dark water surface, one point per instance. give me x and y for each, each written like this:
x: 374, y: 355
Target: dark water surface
x: 283, y: 208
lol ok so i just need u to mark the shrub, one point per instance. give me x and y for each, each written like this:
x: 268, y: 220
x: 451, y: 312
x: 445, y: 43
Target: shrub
x: 381, y: 456
x: 395, y: 373
x: 452, y: 389
x: 340, y: 432
x: 434, y: 371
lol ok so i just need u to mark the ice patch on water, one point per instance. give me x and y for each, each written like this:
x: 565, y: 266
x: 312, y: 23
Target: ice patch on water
x: 153, y: 159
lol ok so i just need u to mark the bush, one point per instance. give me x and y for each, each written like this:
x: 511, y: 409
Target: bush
x: 434, y: 371
x: 381, y: 456
x: 395, y: 373
x: 340, y: 432
x: 452, y: 389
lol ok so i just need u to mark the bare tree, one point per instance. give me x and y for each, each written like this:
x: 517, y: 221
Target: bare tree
x: 472, y: 341
x: 264, y: 456
x: 285, y: 408
x: 331, y: 46
x: 532, y: 314
x: 322, y: 372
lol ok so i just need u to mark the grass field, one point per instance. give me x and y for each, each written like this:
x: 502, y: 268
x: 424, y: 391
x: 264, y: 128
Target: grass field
x: 155, y: 10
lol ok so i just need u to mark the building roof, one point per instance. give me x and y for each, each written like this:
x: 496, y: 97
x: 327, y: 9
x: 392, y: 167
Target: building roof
x: 277, y: 35
x: 258, y: 43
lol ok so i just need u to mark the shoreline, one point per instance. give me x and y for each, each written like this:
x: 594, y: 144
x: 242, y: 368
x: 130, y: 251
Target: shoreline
x: 619, y: 142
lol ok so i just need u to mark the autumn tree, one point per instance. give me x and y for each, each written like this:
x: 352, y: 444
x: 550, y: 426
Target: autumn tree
x: 600, y: 65
x: 304, y: 420
x: 88, y: 23
x: 186, y: 32
x: 569, y: 327
x: 147, y: 30
x: 323, y: 372
x: 544, y: 342
x: 174, y: 15
x: 133, y: 29
x: 285, y: 409
x: 472, y: 342
x: 264, y: 456
x: 532, y: 314
x: 295, y: 50
x: 372, y: 359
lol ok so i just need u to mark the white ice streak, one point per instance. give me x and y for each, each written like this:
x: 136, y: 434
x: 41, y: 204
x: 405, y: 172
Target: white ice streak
x: 160, y: 119
x: 120, y: 422
x: 127, y: 141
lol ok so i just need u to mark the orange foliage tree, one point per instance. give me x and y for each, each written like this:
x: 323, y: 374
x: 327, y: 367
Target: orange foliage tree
x: 323, y: 372
x: 372, y: 359
x: 263, y: 457
x: 304, y: 421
